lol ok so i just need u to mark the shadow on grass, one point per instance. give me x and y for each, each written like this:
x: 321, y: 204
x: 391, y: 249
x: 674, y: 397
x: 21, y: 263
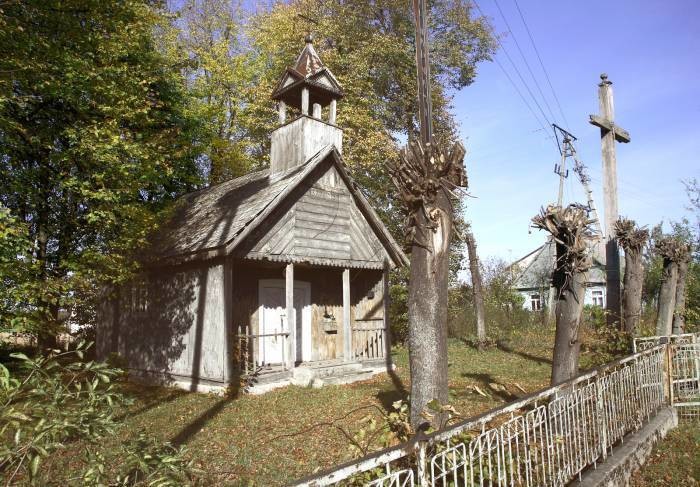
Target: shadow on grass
x: 490, y: 384
x: 152, y: 398
x: 186, y: 433
x: 398, y: 393
x: 508, y: 349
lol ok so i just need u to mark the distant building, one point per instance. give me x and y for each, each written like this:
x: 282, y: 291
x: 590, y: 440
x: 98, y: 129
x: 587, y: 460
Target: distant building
x: 534, y: 274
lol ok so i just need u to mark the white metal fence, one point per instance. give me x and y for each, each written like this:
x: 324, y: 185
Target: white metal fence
x: 645, y: 343
x: 545, y: 439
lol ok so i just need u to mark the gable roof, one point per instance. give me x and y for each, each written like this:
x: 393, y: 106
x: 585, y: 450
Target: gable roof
x: 535, y: 269
x: 214, y: 221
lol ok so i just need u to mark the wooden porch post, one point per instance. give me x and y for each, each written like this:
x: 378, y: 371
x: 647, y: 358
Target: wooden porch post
x: 347, y: 331
x: 291, y: 315
x: 387, y: 323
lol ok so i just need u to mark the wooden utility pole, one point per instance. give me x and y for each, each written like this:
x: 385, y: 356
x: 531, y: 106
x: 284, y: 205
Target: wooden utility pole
x: 426, y: 176
x: 563, y: 174
x: 477, y: 288
x: 609, y: 133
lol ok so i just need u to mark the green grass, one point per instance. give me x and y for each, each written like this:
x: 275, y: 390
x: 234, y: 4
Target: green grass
x: 675, y: 461
x: 276, y: 437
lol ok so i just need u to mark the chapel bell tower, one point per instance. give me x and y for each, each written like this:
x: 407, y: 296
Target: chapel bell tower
x: 311, y: 88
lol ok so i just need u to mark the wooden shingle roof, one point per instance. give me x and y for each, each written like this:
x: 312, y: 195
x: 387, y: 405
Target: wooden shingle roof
x: 213, y: 221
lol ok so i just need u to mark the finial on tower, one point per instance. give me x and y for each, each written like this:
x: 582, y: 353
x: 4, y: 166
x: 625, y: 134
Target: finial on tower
x: 604, y: 80
x: 308, y: 86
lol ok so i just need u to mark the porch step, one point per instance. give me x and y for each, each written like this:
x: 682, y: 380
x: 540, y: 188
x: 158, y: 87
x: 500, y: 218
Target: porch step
x: 335, y: 372
x: 333, y: 368
x: 267, y: 376
x: 348, y: 378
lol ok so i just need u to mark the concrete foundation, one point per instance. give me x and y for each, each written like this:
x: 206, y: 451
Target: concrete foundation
x: 628, y: 457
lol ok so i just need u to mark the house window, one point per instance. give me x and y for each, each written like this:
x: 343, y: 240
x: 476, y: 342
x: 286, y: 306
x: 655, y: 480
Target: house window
x: 535, y: 302
x: 597, y: 297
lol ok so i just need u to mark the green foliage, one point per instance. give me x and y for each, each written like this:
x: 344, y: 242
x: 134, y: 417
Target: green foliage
x: 391, y: 428
x: 503, y: 305
x: 61, y: 399
x: 601, y: 343
x: 142, y: 461
x: 222, y: 74
x: 95, y: 138
x: 398, y: 306
x: 56, y: 400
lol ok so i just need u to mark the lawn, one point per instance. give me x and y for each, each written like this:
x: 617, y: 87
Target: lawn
x: 673, y: 462
x: 277, y: 437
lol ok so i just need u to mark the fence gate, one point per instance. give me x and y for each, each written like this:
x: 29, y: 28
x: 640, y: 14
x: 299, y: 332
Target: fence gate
x: 685, y: 379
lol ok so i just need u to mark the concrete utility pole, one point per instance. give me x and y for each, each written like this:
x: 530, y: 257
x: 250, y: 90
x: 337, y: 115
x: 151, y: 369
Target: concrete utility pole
x: 561, y: 171
x: 609, y: 133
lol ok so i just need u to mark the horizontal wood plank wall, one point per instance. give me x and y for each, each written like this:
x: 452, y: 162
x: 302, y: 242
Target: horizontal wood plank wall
x: 322, y: 225
x: 368, y: 315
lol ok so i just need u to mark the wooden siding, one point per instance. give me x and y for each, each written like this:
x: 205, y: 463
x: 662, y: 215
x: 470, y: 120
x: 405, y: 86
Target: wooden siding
x: 322, y: 224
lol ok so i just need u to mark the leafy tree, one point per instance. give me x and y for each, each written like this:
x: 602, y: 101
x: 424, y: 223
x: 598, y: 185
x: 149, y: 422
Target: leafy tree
x: 222, y: 76
x: 95, y: 137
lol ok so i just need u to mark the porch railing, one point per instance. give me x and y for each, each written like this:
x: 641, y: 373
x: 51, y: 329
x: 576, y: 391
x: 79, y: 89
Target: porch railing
x: 369, y: 340
x: 547, y: 438
x: 247, y: 356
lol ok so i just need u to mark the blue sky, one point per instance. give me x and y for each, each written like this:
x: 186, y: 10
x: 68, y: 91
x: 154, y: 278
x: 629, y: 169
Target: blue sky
x: 650, y: 51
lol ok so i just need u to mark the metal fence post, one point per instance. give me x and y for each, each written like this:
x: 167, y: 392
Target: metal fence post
x: 668, y: 370
x: 421, y: 455
x: 600, y: 418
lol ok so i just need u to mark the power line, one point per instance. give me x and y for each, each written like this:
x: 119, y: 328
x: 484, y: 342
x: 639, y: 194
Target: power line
x: 539, y: 58
x: 527, y: 65
x: 539, y: 122
x: 522, y: 97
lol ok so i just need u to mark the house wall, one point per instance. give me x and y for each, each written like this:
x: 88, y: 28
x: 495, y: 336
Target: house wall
x: 326, y: 301
x: 588, y: 300
x: 170, y: 323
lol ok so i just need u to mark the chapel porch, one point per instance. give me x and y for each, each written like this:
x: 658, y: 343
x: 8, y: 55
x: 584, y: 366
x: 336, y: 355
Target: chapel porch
x: 338, y: 327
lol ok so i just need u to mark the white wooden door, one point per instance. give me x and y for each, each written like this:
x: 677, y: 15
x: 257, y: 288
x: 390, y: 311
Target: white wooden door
x: 272, y: 320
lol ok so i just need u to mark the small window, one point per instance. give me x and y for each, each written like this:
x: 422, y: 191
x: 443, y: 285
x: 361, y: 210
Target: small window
x: 597, y: 297
x: 535, y: 302
x: 139, y: 296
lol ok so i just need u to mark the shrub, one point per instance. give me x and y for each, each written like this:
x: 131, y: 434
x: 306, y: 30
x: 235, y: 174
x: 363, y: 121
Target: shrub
x: 59, y: 399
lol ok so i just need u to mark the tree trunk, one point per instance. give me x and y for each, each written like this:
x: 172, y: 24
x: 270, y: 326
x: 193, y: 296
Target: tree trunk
x: 46, y: 336
x: 679, y: 312
x: 477, y: 288
x: 427, y: 307
x: 570, y: 292
x: 667, y: 297
x: 632, y: 291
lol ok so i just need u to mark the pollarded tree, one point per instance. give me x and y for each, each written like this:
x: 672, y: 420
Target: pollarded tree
x: 678, y: 325
x: 426, y: 177
x: 673, y: 250
x: 570, y: 228
x: 633, y: 240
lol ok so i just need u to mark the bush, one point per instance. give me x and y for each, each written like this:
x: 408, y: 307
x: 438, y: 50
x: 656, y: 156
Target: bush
x: 398, y: 306
x: 59, y: 399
